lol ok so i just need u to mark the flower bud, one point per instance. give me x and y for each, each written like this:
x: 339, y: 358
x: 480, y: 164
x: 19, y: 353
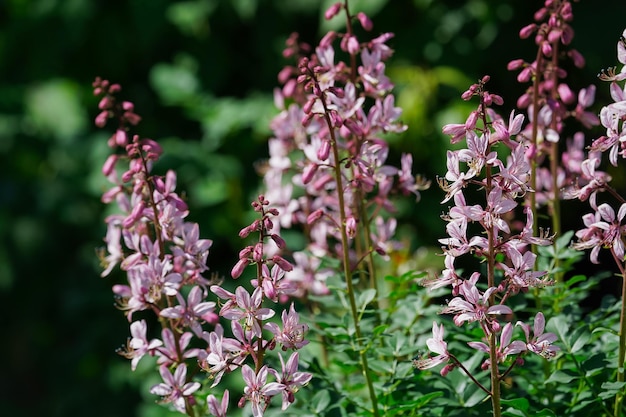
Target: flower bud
x: 109, y: 165
x: 282, y: 263
x: 280, y: 242
x: 527, y: 30
x: 366, y: 22
x: 332, y: 11
x: 239, y: 268
x: 315, y: 216
x: 515, y: 64
x: 121, y: 138
x: 324, y: 150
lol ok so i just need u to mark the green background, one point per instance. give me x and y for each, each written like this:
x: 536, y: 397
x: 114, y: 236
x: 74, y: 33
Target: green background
x: 201, y: 74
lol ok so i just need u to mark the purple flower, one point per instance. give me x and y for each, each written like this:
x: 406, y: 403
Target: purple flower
x: 249, y: 308
x: 437, y: 345
x: 257, y: 390
x: 540, y: 343
x: 290, y: 378
x: 291, y: 336
x: 218, y: 409
x: 475, y: 306
x: 174, y: 388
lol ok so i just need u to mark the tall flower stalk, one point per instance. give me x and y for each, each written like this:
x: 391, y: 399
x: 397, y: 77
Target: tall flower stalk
x: 604, y: 226
x: 550, y: 101
x: 327, y: 168
x: 510, y: 265
x: 164, y: 259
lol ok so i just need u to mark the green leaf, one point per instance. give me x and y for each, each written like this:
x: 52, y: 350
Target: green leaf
x: 561, y: 377
x: 320, y: 401
x: 581, y: 340
x: 365, y: 298
x: 517, y: 403
x: 611, y: 389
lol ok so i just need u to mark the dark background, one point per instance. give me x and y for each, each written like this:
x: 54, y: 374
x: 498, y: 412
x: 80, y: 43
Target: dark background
x: 201, y: 74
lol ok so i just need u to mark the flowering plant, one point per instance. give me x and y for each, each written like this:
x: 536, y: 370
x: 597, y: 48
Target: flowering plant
x: 353, y: 335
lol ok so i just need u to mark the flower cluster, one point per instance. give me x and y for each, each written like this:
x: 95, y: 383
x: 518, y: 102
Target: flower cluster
x: 328, y: 168
x: 604, y: 228
x: 164, y: 259
x: 549, y: 101
x: 510, y: 264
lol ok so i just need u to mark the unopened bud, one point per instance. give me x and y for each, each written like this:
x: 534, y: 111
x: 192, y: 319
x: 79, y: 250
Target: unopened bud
x: 239, y: 268
x: 527, y: 30
x: 324, y: 151
x: 280, y: 242
x: 332, y: 11
x: 315, y: 216
x: 366, y: 22
x: 282, y: 263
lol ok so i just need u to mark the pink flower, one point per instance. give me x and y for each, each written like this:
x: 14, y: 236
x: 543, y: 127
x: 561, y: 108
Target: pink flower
x: 505, y: 347
x: 138, y: 345
x: 249, y: 309
x: 218, y: 409
x: 540, y: 343
x: 174, y: 388
x: 437, y: 345
x: 290, y: 378
x: 475, y: 306
x: 257, y: 390
x: 291, y: 336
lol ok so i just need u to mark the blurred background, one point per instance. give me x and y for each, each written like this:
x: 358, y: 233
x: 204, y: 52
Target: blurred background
x: 201, y: 74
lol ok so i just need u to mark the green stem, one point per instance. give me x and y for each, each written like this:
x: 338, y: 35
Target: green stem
x: 346, y: 267
x: 621, y: 356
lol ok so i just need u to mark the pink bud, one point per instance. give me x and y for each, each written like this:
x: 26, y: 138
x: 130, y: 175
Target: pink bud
x: 115, y: 88
x: 120, y: 137
x: 109, y: 165
x: 105, y: 103
x: 546, y: 49
x: 525, y: 75
x: 315, y: 216
x: 579, y: 60
x: 324, y: 150
x: 365, y: 21
x: 515, y: 64
x: 239, y: 268
x: 101, y: 118
x: 332, y: 11
x: 351, y: 227
x: 554, y: 35
x: 257, y: 253
x: 308, y: 173
x: 566, y: 94
x: 280, y: 242
x: 282, y: 263
x: 470, y: 123
x: 328, y: 39
x: 527, y: 30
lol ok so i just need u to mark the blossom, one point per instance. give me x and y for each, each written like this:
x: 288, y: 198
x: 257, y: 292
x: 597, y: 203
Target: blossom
x: 505, y: 347
x: 218, y: 409
x: 257, y: 390
x: 291, y: 336
x: 437, y: 345
x: 473, y: 306
x: 193, y: 311
x: 139, y: 345
x: 174, y: 388
x: 290, y: 378
x: 540, y: 343
x: 249, y: 308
